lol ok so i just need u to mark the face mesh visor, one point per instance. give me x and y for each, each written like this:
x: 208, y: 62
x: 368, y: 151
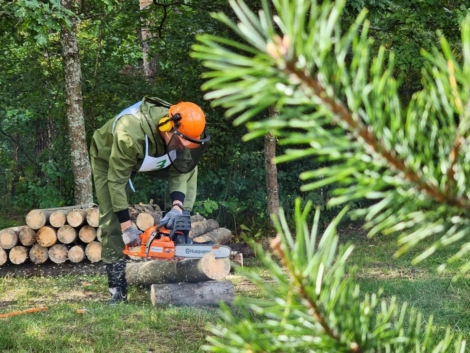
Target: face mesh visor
x: 188, y: 151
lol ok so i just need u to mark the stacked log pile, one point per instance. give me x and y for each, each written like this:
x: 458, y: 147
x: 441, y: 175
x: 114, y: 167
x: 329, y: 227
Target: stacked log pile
x: 72, y: 234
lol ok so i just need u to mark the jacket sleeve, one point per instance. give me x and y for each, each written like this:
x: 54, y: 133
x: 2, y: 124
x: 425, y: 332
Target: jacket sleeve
x: 185, y: 183
x: 123, y: 158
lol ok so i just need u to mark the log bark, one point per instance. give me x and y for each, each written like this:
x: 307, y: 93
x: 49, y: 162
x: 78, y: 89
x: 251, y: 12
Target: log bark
x: 3, y: 257
x: 18, y: 255
x: 39, y: 217
x: 197, y: 218
x: 93, y: 251
x: 191, y: 294
x: 77, y: 217
x: 27, y: 236
x: 46, y: 236
x: 66, y: 234
x: 58, y: 253
x: 202, y: 227
x: 38, y: 254
x: 220, y: 236
x: 76, y: 254
x: 9, y: 237
x: 58, y: 218
x: 93, y: 217
x: 151, y: 272
x: 87, y: 234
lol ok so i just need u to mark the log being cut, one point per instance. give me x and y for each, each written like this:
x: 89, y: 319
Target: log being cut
x: 186, y: 293
x: 150, y: 272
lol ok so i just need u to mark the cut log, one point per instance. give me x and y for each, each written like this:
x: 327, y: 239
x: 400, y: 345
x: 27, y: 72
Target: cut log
x: 58, y: 253
x: 58, y: 218
x: 9, y: 237
x: 93, y: 251
x: 27, y: 236
x: 191, y: 294
x: 66, y: 234
x: 151, y: 272
x: 3, y: 257
x: 18, y: 255
x: 87, y: 234
x: 93, y: 217
x: 77, y: 217
x: 146, y: 220
x: 39, y: 217
x: 197, y: 218
x: 46, y: 236
x: 220, y: 236
x: 202, y: 227
x: 76, y: 254
x: 237, y: 259
x: 38, y: 254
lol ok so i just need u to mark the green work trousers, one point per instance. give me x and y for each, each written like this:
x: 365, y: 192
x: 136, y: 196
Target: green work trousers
x: 111, y: 234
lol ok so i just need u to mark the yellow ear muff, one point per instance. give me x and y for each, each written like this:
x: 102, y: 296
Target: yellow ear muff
x: 165, y: 125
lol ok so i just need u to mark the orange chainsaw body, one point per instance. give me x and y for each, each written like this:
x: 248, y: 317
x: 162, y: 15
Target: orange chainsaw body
x: 161, y: 247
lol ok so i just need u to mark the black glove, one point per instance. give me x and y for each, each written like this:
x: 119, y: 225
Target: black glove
x: 169, y: 220
x: 131, y: 237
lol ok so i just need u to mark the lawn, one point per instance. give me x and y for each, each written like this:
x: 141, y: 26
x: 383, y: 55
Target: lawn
x: 77, y: 318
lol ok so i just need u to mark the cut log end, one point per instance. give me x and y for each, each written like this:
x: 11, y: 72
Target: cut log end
x: 213, y: 268
x: 87, y: 234
x: 38, y: 254
x: 36, y: 219
x: 93, y: 251
x: 18, y: 255
x: 46, y: 236
x: 58, y: 253
x: 3, y: 257
x: 27, y: 236
x: 66, y: 234
x: 93, y: 217
x: 76, y: 254
x: 8, y: 238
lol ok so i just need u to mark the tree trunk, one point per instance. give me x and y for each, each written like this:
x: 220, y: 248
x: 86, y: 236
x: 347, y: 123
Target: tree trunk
x: 207, y: 268
x: 272, y: 187
x: 191, y: 294
x: 74, y: 103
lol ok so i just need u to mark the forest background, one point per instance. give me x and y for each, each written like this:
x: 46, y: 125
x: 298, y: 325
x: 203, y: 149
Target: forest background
x: 126, y: 52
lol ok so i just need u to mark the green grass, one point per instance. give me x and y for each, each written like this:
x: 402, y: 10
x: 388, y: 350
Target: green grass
x: 421, y: 286
x: 140, y: 327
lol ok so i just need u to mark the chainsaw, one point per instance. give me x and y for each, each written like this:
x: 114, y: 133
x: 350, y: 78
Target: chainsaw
x: 159, y: 243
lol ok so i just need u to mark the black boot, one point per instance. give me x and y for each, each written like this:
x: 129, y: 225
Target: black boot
x: 117, y: 282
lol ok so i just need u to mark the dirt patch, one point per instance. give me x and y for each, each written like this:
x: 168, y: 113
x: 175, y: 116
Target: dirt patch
x: 52, y: 269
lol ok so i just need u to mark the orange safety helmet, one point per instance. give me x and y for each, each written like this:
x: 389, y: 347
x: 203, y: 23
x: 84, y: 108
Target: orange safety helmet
x: 193, y: 119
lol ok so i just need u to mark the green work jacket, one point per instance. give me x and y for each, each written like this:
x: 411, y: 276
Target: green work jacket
x: 123, y: 150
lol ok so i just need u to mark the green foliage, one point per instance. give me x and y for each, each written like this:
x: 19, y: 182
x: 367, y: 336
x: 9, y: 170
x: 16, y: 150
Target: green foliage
x: 305, y: 301
x: 336, y: 96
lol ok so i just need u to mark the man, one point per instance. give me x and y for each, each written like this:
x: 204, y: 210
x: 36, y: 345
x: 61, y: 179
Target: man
x: 153, y: 137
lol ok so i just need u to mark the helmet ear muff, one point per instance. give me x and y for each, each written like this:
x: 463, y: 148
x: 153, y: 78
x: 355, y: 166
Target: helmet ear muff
x: 165, y: 125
